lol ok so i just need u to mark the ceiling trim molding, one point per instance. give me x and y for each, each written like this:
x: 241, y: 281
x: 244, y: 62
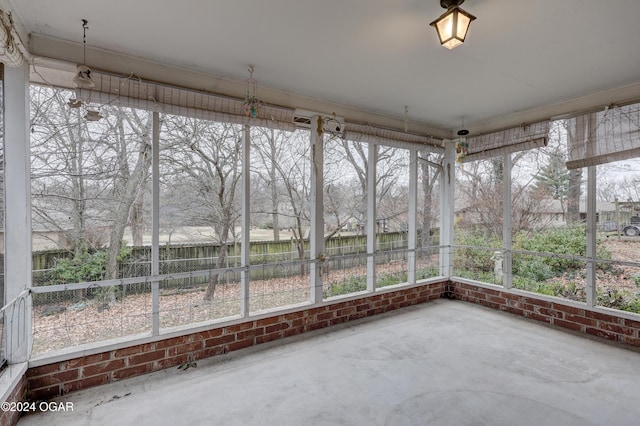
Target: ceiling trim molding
x: 566, y: 109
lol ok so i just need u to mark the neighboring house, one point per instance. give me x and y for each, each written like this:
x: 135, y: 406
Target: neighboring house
x: 552, y: 211
x: 44, y: 240
x: 606, y: 216
x: 626, y: 210
x: 549, y: 213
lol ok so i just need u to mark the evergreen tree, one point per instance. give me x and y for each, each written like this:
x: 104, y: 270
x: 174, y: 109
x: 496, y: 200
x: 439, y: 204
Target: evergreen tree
x: 553, y: 178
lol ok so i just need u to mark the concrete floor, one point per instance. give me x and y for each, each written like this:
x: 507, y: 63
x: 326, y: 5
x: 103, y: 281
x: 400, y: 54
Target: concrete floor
x: 441, y: 363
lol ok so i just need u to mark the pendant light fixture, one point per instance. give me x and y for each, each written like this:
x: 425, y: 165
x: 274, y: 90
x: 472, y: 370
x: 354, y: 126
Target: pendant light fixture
x: 452, y: 26
x: 83, y: 72
x: 83, y: 80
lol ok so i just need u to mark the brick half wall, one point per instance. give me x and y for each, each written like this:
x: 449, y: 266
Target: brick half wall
x: 568, y: 315
x: 59, y: 378
x: 52, y: 380
x: 17, y: 395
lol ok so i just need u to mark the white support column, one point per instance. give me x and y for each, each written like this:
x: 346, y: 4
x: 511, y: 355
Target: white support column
x: 17, y: 187
x: 447, y: 214
x: 372, y: 166
x: 413, y: 213
x: 155, y: 224
x: 246, y: 220
x: 507, y: 281
x: 591, y: 236
x: 317, y: 208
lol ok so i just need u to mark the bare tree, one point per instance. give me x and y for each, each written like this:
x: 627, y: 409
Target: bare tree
x: 389, y: 162
x: 293, y: 168
x: 429, y: 174
x: 577, y: 130
x: 60, y: 161
x: 85, y: 180
x: 480, y: 195
x: 628, y: 189
x: 270, y: 147
x: 129, y: 182
x: 342, y: 201
x: 205, y: 163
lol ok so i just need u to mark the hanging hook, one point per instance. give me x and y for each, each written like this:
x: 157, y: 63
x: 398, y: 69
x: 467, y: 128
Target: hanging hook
x: 406, y: 118
x: 85, y: 27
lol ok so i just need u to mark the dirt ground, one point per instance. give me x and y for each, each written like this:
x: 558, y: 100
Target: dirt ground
x: 622, y: 276
x: 624, y: 249
x: 84, y: 322
x: 73, y: 324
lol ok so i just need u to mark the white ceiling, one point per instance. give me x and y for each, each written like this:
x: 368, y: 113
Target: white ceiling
x: 523, y: 59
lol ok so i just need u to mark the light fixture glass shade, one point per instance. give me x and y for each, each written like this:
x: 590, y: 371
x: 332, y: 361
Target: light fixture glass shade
x: 93, y: 115
x: 452, y: 26
x: 83, y: 77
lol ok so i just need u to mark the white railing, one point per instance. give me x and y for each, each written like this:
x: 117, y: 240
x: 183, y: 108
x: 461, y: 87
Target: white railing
x: 15, y: 329
x: 69, y: 315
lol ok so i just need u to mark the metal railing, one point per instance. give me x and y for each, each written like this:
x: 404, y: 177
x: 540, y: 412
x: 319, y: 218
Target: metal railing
x: 14, y: 331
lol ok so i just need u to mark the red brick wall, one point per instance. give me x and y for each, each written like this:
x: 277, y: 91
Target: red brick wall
x: 59, y: 378
x: 566, y: 315
x: 17, y: 395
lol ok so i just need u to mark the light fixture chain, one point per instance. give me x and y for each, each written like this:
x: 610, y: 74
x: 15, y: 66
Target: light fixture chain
x: 84, y: 41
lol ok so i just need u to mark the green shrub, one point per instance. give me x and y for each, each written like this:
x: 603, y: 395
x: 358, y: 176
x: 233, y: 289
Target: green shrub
x: 384, y: 280
x: 570, y: 241
x: 352, y: 284
x: 619, y: 299
x: 477, y: 260
x: 532, y: 268
x: 429, y: 272
x: 83, y: 267
x: 357, y: 283
x: 569, y: 291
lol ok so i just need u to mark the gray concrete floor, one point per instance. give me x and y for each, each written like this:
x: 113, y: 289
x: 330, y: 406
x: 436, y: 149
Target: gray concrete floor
x: 441, y: 363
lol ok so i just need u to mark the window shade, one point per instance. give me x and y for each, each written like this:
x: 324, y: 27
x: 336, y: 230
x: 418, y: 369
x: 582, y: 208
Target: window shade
x: 508, y: 149
x: 359, y: 132
x: 603, y: 137
x: 507, y: 141
x: 136, y: 93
